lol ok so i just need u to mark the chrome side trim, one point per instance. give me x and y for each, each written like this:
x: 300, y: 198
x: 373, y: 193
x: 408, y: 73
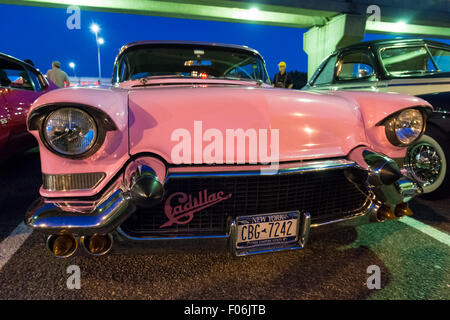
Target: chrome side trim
x: 369, y: 214
x: 162, y: 238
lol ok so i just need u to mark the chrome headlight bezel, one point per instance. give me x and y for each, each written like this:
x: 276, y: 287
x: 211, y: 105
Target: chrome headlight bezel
x: 391, y: 125
x: 89, y: 122
x: 103, y: 121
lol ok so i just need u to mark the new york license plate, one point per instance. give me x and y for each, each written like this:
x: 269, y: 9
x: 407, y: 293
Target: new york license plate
x: 267, y: 230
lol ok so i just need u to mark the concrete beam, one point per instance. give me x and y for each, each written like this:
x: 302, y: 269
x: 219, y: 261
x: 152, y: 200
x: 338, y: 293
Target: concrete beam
x: 215, y: 10
x: 400, y: 28
x: 423, y: 12
x: 428, y: 17
x: 339, y: 32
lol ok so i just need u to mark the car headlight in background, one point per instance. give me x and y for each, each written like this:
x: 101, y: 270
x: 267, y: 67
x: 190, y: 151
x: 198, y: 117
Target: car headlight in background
x: 70, y: 131
x: 405, y: 127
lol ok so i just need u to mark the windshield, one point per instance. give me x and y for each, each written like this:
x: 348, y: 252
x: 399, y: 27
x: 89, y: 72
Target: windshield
x: 441, y: 57
x: 416, y: 60
x: 189, y: 61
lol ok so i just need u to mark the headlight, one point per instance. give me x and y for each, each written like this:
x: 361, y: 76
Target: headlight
x: 406, y: 127
x: 70, y: 131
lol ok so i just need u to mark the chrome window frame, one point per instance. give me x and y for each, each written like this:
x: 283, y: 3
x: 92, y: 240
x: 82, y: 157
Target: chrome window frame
x: 370, y: 55
x: 387, y: 74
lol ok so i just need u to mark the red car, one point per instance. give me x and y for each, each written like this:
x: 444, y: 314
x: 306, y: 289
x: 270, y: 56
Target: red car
x: 20, y: 85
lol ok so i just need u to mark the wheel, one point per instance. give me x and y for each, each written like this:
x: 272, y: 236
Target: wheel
x: 426, y: 161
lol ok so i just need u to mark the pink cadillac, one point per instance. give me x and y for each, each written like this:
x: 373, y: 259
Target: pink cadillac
x: 192, y: 142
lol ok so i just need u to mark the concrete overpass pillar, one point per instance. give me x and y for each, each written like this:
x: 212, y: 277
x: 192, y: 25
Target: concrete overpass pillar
x: 340, y: 31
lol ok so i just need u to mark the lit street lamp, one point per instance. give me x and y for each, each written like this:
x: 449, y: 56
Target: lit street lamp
x: 95, y: 29
x: 72, y: 65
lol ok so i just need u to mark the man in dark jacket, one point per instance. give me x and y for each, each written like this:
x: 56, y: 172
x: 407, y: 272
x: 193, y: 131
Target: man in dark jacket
x: 282, y: 79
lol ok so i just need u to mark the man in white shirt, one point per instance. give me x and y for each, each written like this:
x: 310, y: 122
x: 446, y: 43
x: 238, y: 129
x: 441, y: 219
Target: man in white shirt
x: 58, y: 76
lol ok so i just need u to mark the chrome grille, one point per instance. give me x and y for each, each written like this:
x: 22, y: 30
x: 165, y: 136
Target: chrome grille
x: 74, y: 181
x: 326, y: 195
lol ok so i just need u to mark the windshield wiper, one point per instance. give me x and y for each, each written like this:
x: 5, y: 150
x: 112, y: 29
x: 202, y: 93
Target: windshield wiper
x: 144, y: 80
x: 169, y: 76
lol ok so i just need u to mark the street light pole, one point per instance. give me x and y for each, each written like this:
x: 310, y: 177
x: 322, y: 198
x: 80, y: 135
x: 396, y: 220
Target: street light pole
x: 72, y: 65
x: 95, y: 28
x: 99, y: 64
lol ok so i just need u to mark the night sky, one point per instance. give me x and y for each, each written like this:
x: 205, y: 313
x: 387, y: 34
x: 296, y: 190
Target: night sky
x: 41, y: 34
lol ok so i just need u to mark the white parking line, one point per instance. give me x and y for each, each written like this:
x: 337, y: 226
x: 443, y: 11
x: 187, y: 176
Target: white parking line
x: 13, y: 242
x: 428, y: 230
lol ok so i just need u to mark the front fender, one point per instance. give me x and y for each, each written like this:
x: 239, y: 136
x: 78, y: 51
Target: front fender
x: 111, y: 155
x: 376, y: 107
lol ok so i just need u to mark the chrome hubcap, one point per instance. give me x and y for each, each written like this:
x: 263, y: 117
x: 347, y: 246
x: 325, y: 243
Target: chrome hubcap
x: 424, y: 163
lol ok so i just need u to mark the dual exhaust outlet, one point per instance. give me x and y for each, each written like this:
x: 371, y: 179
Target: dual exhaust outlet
x: 65, y: 245
x: 386, y: 212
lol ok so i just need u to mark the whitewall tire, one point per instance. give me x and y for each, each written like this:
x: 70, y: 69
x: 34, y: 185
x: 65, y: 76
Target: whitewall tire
x: 426, y: 161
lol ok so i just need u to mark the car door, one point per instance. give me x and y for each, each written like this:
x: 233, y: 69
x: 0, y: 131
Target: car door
x: 20, y: 86
x: 4, y: 119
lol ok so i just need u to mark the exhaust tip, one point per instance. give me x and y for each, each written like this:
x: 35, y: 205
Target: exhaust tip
x: 402, y: 209
x: 386, y: 213
x: 62, y: 245
x: 97, y: 244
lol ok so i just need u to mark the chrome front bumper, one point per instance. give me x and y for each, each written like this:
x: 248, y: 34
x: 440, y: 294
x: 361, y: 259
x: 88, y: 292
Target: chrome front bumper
x: 105, y: 214
x: 108, y: 214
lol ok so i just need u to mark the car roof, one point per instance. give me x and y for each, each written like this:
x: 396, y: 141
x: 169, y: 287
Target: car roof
x: 396, y: 41
x: 4, y: 55
x: 192, y: 43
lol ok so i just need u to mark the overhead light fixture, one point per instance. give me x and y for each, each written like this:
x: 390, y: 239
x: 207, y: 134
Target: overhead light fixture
x: 401, y: 26
x: 95, y: 28
x: 254, y: 13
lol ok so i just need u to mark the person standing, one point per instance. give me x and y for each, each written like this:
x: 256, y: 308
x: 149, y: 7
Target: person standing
x: 282, y: 79
x: 58, y: 76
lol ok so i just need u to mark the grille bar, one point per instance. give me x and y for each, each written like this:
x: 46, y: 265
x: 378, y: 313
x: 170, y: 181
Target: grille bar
x: 75, y: 181
x: 326, y: 195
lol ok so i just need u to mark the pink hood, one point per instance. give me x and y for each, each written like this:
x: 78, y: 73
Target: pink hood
x: 310, y: 125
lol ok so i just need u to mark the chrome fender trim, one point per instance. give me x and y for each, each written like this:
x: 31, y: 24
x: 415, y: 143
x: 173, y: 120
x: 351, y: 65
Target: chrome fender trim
x: 384, y: 178
x: 106, y: 216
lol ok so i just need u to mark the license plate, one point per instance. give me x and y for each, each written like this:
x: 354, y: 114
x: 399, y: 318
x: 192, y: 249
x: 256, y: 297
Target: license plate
x: 267, y: 230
